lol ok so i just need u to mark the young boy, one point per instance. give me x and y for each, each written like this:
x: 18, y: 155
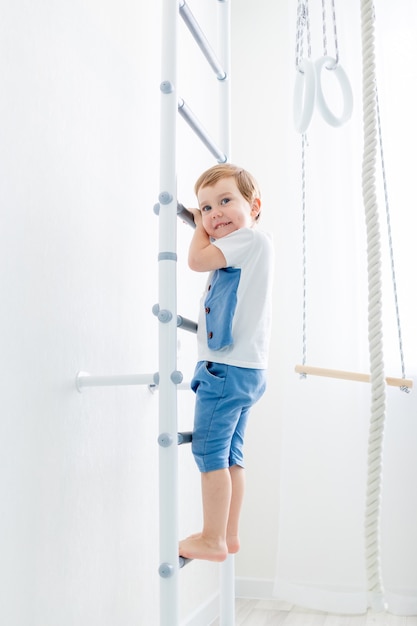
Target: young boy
x: 233, y: 335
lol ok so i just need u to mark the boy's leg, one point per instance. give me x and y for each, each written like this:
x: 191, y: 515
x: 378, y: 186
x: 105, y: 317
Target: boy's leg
x: 211, y: 544
x: 223, y: 489
x: 237, y: 475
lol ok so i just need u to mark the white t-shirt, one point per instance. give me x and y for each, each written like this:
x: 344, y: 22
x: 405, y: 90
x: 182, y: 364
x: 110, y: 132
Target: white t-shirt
x: 251, y: 251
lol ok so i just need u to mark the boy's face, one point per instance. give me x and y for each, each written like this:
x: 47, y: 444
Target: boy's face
x: 224, y: 209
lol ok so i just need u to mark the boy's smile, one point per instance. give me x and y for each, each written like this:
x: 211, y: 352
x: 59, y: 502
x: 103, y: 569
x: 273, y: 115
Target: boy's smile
x: 222, y: 225
x: 224, y: 209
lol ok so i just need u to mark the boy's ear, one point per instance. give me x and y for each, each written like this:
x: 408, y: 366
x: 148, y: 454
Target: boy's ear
x: 256, y: 207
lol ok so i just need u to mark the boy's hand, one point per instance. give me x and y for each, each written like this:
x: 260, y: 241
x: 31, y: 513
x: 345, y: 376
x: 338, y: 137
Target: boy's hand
x: 203, y: 256
x: 197, y: 216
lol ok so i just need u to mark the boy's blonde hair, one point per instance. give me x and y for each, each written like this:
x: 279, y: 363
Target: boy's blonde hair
x: 245, y: 182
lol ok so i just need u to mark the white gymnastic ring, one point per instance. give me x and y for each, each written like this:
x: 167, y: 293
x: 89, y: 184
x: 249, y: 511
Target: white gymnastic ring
x: 345, y: 87
x: 304, y: 95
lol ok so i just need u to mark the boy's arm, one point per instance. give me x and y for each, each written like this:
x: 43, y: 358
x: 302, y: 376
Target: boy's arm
x: 203, y: 256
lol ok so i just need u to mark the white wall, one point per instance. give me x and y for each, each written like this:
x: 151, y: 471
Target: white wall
x: 307, y: 443
x: 79, y: 172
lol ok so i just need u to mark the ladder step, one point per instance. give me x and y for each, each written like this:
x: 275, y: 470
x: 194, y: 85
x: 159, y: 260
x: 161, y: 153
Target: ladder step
x: 185, y: 437
x: 201, y: 40
x: 186, y: 324
x: 185, y: 215
x: 195, y: 125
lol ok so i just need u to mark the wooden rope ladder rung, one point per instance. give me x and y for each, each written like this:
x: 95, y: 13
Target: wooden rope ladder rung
x: 345, y: 375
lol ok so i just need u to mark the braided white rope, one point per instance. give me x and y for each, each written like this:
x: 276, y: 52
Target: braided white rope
x: 377, y: 422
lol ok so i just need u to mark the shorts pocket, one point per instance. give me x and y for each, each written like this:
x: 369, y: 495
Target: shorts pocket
x: 216, y: 370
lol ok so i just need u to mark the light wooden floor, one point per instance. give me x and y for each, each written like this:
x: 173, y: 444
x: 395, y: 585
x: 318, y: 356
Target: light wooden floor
x: 278, y: 613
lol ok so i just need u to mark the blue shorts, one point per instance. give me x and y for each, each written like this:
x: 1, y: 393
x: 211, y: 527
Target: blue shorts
x: 224, y: 396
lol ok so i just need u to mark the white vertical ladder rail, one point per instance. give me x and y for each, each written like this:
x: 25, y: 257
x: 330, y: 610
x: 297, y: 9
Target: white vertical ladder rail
x: 167, y: 286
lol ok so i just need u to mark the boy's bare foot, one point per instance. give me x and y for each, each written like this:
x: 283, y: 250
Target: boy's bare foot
x: 197, y: 547
x: 233, y: 543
